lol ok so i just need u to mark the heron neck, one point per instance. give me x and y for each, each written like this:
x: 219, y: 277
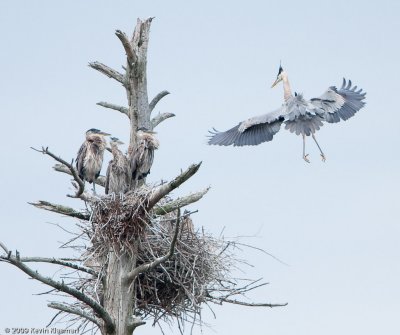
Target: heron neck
x: 287, y: 92
x: 114, y: 150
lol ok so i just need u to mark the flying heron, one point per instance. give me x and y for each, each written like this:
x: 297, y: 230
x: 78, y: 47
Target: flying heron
x: 90, y: 156
x: 118, y: 176
x: 143, y: 156
x: 300, y: 116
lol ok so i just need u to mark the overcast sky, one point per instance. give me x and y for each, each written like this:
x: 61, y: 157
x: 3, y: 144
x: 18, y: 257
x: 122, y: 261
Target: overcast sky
x: 335, y: 223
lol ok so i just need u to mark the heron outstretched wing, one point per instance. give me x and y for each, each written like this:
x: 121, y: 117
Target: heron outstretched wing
x: 252, y: 131
x: 340, y: 104
x: 80, y: 158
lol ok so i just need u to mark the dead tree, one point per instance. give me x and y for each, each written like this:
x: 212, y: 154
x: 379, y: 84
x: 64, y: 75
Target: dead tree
x: 143, y: 259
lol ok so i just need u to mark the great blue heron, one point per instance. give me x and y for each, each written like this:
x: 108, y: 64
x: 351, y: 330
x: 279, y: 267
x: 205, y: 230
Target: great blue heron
x: 142, y: 158
x: 300, y: 116
x: 118, y: 178
x: 90, y: 155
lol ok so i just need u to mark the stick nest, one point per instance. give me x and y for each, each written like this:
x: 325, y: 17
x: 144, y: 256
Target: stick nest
x: 200, y: 270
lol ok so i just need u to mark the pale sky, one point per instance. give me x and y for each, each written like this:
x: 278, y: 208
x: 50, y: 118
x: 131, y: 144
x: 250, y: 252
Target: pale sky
x: 335, y: 223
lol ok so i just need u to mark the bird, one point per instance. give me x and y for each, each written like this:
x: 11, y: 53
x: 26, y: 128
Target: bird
x: 118, y: 177
x: 90, y: 156
x: 302, y: 117
x: 143, y: 155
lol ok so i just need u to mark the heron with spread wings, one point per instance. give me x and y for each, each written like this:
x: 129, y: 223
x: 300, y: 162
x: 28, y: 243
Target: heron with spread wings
x: 301, y: 116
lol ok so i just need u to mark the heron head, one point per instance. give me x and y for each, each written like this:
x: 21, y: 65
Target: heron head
x: 145, y: 130
x: 279, y: 77
x: 115, y: 140
x: 93, y: 131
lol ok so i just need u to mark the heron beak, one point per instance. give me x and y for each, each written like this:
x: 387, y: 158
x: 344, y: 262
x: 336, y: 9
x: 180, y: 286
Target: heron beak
x: 276, y: 81
x: 103, y: 133
x: 120, y: 142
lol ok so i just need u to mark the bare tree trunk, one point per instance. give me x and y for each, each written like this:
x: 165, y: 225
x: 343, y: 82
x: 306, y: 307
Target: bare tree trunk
x: 119, y: 293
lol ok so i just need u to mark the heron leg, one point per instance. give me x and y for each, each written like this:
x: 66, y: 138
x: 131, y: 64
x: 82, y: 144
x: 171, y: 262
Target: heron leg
x: 94, y: 187
x: 305, y: 157
x: 121, y: 196
x: 320, y: 150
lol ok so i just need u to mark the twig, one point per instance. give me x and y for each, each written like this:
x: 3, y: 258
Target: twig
x: 155, y: 121
x: 58, y: 262
x: 148, y: 266
x: 156, y: 99
x: 109, y: 72
x: 74, y: 173
x: 237, y: 302
x: 163, y: 190
x: 179, y: 203
x: 72, y: 310
x: 121, y: 109
x: 60, y: 209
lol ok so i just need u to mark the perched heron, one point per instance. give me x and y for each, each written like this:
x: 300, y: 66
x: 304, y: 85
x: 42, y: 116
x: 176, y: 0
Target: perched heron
x: 300, y: 116
x: 143, y: 156
x: 90, y: 156
x: 118, y: 176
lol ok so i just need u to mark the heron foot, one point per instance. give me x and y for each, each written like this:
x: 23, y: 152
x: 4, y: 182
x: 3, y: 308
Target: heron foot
x: 323, y: 158
x: 305, y: 157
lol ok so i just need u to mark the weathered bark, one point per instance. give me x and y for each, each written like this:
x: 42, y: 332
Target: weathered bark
x: 119, y: 293
x: 136, y: 79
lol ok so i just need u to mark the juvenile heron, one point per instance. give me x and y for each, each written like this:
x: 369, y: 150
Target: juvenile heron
x: 118, y: 178
x: 142, y: 158
x: 301, y: 116
x: 90, y: 155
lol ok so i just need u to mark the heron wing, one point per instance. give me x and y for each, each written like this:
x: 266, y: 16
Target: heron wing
x: 252, y: 131
x: 340, y: 104
x: 80, y: 158
x: 135, y: 162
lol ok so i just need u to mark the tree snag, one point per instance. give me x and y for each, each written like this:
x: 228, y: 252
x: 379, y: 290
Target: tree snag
x: 140, y: 258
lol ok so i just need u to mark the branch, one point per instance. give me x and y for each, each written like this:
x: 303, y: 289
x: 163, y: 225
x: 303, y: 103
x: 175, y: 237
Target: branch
x: 163, y: 190
x: 155, y: 121
x: 156, y: 99
x: 101, y: 180
x: 148, y: 266
x: 4, y: 248
x: 179, y: 202
x: 238, y: 302
x: 60, y: 209
x: 132, y: 58
x: 60, y: 286
x: 121, y: 109
x: 72, y: 170
x: 72, y: 310
x: 109, y: 72
x: 136, y: 322
x: 58, y: 262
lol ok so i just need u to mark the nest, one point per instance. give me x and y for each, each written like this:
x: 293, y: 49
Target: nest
x: 198, y: 272
x: 117, y: 222
x: 179, y: 285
